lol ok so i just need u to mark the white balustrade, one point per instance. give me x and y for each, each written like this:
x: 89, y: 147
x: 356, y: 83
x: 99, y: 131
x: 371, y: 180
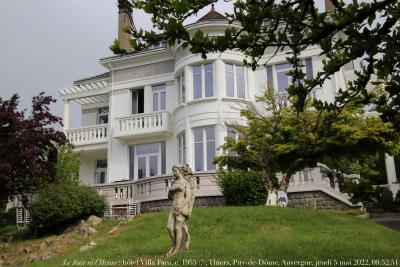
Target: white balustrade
x: 140, y: 123
x: 88, y: 135
x: 153, y: 188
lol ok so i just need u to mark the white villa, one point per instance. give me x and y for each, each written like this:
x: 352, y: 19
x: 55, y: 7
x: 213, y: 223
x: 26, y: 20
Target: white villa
x: 165, y: 106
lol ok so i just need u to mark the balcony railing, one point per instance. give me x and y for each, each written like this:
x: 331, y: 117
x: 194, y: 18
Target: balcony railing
x: 148, y: 124
x: 154, y: 188
x: 88, y: 135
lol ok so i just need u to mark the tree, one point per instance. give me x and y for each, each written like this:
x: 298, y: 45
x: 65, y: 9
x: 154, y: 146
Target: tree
x: 28, y: 147
x: 277, y: 138
x: 67, y: 167
x: 367, y: 30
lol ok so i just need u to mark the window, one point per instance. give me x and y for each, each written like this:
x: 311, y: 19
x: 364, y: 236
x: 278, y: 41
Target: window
x: 203, y: 81
x: 147, y: 160
x: 137, y: 101
x: 231, y: 135
x: 101, y: 170
x: 181, y: 148
x: 102, y: 115
x: 159, y: 97
x: 277, y: 75
x: 204, y: 148
x: 266, y: 22
x: 181, y: 88
x: 162, y: 44
x: 235, y: 82
x: 282, y: 78
x: 209, y: 81
x: 307, y: 175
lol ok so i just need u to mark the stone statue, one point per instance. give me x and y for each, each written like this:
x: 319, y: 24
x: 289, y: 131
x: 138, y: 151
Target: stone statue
x: 272, y: 198
x: 182, y: 194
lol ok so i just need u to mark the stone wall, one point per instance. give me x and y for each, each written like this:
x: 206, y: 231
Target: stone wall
x: 316, y: 200
x: 159, y: 205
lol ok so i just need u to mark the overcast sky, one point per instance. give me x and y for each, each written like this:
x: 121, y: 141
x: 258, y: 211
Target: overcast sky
x: 47, y: 44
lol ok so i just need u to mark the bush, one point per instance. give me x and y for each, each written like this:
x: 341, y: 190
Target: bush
x: 372, y: 197
x: 385, y: 199
x: 59, y: 205
x: 7, y: 217
x: 241, y: 188
x: 397, y: 198
x: 67, y: 167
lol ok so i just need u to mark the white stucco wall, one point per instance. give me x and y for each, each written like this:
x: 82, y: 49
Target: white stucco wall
x: 144, y: 71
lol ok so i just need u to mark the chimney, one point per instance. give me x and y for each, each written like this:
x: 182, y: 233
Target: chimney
x: 329, y: 6
x: 125, y: 20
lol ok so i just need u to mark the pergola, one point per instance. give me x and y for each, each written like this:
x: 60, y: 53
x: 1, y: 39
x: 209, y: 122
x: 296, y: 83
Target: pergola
x: 90, y: 92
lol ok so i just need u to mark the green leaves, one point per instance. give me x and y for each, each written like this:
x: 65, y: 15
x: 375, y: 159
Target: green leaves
x: 67, y: 167
x: 116, y: 49
x: 65, y: 203
x: 241, y: 187
x: 353, y: 31
x: 282, y: 139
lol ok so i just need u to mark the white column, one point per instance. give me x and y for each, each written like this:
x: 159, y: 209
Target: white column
x: 188, y: 83
x: 250, y: 92
x: 189, y: 142
x: 219, y: 78
x: 66, y: 115
x: 390, y: 170
x: 148, y: 99
x: 220, y: 92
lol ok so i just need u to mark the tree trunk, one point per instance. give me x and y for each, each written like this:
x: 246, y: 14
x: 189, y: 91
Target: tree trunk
x: 267, y: 184
x: 285, y: 182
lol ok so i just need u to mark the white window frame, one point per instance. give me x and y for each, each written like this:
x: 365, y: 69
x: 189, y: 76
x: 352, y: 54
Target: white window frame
x: 101, y: 114
x: 235, y: 81
x: 147, y: 156
x: 204, y: 145
x: 203, y: 80
x: 98, y: 172
x: 181, y: 88
x: 158, y: 90
x: 275, y: 73
x: 136, y: 93
x: 181, y: 148
x: 234, y: 137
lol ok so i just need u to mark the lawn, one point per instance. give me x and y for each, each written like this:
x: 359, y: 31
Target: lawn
x: 245, y: 236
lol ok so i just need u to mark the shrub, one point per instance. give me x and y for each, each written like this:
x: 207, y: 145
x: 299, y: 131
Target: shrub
x: 62, y: 204
x: 370, y: 196
x: 397, y: 198
x: 7, y: 217
x: 385, y: 199
x: 67, y: 167
x: 242, y: 188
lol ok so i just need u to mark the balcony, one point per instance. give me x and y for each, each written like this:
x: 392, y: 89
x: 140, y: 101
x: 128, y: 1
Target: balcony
x: 143, y: 125
x: 88, y: 135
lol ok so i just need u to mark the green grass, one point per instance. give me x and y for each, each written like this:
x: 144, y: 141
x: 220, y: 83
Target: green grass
x: 247, y: 233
